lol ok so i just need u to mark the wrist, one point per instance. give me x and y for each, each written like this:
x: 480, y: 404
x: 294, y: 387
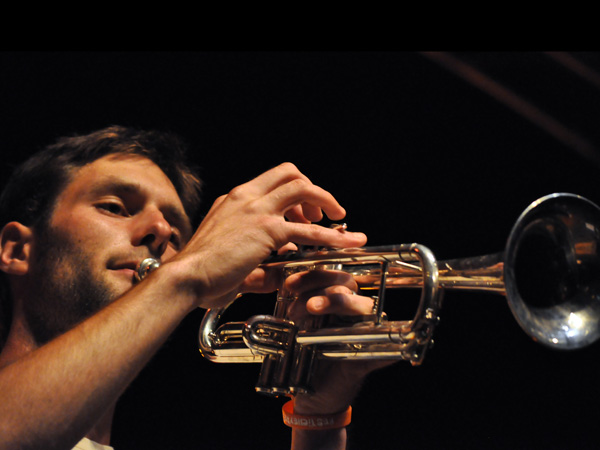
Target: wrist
x: 324, y: 421
x: 329, y: 402
x: 170, y: 281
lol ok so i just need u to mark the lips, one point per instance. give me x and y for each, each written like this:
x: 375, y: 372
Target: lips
x: 127, y: 268
x: 132, y: 265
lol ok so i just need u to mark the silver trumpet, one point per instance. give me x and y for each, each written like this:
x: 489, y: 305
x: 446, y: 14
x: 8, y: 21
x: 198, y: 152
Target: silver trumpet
x: 549, y: 273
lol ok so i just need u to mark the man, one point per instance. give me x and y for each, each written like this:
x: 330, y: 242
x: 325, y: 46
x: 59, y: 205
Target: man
x: 80, y: 216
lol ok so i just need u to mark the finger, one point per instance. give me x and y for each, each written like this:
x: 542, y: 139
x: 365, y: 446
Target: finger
x: 313, y: 213
x: 312, y: 280
x: 312, y: 198
x: 341, y: 302
x: 296, y: 214
x: 289, y: 247
x: 304, y: 213
x: 310, y: 234
x: 273, y: 178
x: 262, y: 280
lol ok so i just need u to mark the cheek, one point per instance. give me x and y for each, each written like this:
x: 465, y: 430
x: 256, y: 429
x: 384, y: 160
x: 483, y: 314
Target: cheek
x: 99, y: 243
x: 82, y: 225
x: 96, y: 238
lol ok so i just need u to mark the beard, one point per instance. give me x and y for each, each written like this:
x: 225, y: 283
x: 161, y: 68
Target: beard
x: 65, y: 288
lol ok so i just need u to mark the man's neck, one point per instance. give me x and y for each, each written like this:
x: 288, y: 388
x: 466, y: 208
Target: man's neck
x: 18, y: 344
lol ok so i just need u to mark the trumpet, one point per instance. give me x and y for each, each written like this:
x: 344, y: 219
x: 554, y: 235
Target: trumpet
x: 549, y: 273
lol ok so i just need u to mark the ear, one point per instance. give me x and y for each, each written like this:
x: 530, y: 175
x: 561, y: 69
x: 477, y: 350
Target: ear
x: 15, y: 248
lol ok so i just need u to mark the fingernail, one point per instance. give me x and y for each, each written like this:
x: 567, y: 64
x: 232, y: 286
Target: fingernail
x: 318, y: 303
x: 341, y: 227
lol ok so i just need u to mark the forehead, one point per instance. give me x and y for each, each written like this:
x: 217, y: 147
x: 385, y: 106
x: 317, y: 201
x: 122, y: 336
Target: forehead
x: 126, y: 175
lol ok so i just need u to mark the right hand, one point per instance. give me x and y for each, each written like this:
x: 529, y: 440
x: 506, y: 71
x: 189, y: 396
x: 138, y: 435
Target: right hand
x: 245, y: 226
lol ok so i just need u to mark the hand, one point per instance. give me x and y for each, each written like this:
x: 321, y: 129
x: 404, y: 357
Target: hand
x: 243, y: 227
x: 335, y: 383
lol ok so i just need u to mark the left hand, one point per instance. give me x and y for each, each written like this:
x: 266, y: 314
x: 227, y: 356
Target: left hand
x: 335, y: 383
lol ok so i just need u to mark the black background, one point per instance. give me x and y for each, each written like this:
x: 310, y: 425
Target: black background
x: 415, y: 153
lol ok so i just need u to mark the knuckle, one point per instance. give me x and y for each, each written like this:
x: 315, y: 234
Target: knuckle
x: 237, y: 193
x: 220, y: 199
x: 299, y: 185
x: 288, y: 167
x: 275, y: 229
x: 338, y: 290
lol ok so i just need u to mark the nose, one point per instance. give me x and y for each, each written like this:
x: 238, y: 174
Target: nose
x: 153, y: 231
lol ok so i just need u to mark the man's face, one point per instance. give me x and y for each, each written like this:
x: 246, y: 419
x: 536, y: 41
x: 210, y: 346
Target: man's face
x: 115, y: 212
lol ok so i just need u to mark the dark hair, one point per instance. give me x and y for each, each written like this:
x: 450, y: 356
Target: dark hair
x: 33, y: 188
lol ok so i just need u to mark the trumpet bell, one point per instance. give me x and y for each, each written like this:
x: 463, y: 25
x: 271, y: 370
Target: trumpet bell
x: 552, y: 271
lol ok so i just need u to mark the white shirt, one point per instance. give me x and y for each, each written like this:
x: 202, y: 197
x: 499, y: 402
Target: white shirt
x: 86, y: 444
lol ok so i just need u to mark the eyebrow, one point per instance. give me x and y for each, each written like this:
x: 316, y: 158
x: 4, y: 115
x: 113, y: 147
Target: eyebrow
x: 114, y: 184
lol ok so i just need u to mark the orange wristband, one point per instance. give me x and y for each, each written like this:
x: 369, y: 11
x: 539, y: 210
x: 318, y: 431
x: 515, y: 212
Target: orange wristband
x: 317, y: 421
